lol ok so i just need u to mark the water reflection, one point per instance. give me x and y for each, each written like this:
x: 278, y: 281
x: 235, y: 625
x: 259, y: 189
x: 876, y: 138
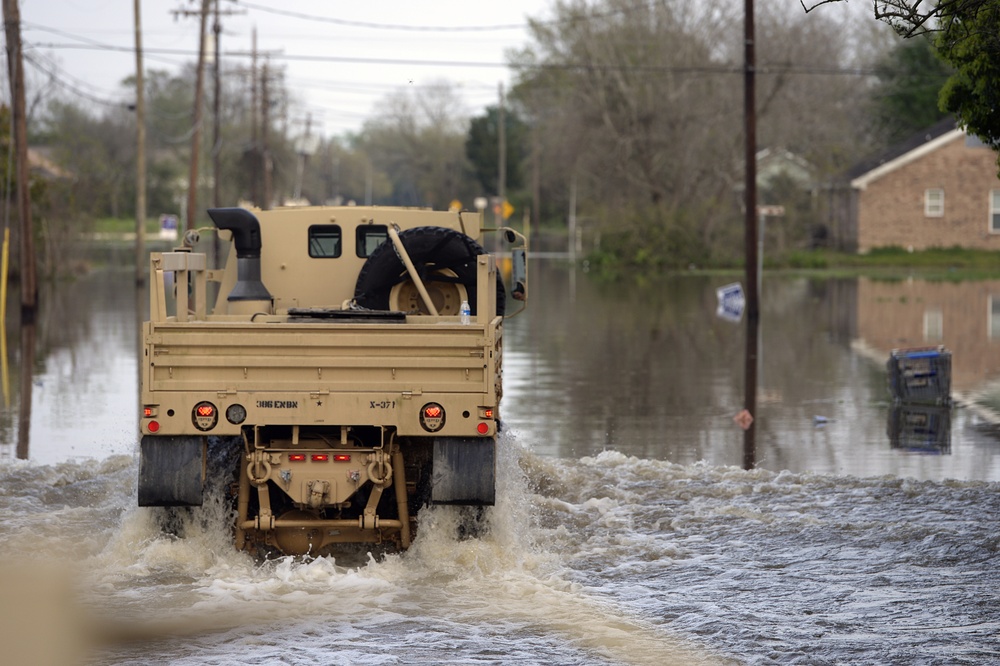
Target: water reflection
x: 920, y: 428
x: 27, y: 379
x: 648, y: 369
x: 77, y: 392
x: 962, y: 316
x: 645, y: 368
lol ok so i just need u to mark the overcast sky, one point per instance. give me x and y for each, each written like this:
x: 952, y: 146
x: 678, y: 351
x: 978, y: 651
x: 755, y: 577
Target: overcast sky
x: 340, y: 58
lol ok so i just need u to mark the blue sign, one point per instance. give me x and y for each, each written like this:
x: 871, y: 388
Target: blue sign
x: 732, y: 302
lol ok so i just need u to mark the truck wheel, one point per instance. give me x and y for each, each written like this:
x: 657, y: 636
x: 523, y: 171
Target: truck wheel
x: 444, y: 258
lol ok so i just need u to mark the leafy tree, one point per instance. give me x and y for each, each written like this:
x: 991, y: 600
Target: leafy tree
x: 968, y: 38
x: 637, y: 108
x: 910, y: 79
x: 970, y: 41
x: 416, y: 141
x: 482, y: 147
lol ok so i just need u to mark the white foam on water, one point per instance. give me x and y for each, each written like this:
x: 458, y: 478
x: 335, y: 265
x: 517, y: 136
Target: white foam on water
x: 601, y: 560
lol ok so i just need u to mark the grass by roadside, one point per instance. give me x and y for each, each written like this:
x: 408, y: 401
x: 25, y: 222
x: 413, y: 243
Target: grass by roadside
x: 937, y: 263
x: 115, y: 225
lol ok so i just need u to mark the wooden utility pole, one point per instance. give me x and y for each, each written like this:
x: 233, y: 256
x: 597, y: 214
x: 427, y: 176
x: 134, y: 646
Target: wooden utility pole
x: 254, y: 157
x: 15, y: 72
x: 501, y: 156
x: 750, y: 239
x: 265, y: 152
x: 217, y: 110
x: 199, y: 85
x: 140, y: 154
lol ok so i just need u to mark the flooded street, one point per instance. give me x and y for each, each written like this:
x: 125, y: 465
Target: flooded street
x: 626, y: 531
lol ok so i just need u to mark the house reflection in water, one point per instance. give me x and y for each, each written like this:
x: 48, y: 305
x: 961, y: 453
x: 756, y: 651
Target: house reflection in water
x: 962, y: 316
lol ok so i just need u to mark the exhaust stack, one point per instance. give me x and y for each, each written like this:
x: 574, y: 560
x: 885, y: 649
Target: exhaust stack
x: 249, y: 294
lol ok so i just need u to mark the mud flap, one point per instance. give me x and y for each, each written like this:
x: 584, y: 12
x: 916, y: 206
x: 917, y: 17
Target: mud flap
x: 171, y: 471
x: 464, y: 471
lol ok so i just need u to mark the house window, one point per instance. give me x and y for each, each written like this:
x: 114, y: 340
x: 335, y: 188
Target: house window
x: 993, y: 322
x: 995, y: 211
x: 933, y: 325
x: 933, y: 202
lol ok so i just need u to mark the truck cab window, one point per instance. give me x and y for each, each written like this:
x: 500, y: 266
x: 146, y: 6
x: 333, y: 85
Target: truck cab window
x: 324, y: 241
x: 370, y: 237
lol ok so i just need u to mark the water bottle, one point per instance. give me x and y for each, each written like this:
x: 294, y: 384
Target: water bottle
x: 465, y: 313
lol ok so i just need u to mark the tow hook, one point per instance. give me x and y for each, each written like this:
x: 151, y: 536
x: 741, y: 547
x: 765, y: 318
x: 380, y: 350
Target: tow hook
x: 318, y: 490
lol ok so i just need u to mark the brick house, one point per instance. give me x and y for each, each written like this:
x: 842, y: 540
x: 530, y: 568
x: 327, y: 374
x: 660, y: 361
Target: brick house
x: 937, y: 189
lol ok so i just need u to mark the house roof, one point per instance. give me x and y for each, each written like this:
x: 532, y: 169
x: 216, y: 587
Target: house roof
x: 904, y: 152
x: 40, y: 162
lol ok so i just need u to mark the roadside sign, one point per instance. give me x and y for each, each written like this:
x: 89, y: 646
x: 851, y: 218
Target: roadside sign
x: 507, y: 210
x: 168, y: 227
x: 732, y: 302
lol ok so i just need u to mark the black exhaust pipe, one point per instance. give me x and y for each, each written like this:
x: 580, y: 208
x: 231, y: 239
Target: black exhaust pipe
x: 246, y: 236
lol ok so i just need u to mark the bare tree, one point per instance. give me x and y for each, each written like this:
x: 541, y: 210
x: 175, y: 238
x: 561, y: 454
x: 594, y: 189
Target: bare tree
x: 913, y: 17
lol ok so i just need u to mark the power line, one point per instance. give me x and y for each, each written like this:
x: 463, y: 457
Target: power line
x: 567, y: 66
x: 69, y: 86
x: 378, y: 26
x: 639, y: 6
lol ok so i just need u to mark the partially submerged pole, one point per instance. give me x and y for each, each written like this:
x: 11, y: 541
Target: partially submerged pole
x: 140, y: 154
x: 750, y: 240
x: 15, y: 71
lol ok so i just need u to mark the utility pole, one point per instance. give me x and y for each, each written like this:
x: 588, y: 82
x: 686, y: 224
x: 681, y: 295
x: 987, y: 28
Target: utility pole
x: 140, y: 153
x: 501, y: 157
x: 750, y: 239
x: 15, y: 71
x: 265, y: 152
x: 217, y: 109
x: 216, y: 101
x: 255, y: 157
x: 303, y: 150
x: 199, y: 85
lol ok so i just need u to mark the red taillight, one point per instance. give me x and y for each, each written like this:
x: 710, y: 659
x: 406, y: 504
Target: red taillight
x: 488, y: 413
x: 153, y: 426
x: 342, y: 457
x: 432, y: 417
x: 296, y: 457
x: 483, y: 428
x: 320, y: 457
x: 204, y: 416
x: 147, y: 412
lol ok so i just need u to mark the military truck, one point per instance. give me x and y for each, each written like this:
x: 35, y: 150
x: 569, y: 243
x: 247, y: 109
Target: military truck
x: 349, y: 358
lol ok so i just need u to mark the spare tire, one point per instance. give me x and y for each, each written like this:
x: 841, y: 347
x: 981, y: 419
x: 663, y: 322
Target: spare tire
x: 445, y: 260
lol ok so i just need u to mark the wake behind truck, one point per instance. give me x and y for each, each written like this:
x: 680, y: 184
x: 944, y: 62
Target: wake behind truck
x: 351, y: 359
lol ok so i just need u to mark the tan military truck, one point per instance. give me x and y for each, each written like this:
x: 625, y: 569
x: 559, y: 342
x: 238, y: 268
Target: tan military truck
x: 336, y: 361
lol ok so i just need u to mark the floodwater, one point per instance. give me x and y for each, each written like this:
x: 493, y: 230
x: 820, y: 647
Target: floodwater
x: 626, y: 531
